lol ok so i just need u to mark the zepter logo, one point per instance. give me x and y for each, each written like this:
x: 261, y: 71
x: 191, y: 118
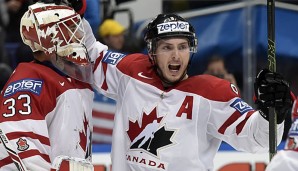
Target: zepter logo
x: 173, y: 27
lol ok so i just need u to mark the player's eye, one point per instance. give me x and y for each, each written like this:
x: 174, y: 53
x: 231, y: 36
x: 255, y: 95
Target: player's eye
x: 167, y: 48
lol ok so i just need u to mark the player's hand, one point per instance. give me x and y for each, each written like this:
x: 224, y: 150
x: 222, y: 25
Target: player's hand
x: 272, y: 90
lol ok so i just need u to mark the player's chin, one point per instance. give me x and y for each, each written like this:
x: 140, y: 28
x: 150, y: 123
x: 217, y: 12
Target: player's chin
x: 173, y: 77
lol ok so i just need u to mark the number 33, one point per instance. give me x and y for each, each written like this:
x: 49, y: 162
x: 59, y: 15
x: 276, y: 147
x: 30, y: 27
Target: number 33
x: 11, y: 103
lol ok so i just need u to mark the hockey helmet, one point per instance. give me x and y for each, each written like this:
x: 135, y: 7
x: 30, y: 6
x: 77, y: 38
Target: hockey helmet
x: 58, y: 30
x: 169, y: 25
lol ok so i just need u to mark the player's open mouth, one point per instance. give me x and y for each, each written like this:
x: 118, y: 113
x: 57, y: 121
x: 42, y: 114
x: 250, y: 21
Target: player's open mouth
x: 174, y: 67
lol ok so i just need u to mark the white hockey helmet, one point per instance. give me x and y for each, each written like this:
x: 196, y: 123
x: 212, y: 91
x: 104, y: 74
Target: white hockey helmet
x: 58, y: 30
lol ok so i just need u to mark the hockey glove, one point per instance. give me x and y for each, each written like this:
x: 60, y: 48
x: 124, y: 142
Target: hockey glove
x: 272, y: 90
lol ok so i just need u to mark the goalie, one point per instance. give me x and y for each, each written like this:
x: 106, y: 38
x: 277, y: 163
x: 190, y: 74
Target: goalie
x: 46, y: 105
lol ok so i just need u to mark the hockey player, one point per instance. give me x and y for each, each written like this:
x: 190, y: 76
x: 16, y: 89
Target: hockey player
x: 46, y: 105
x: 154, y: 96
x: 191, y: 115
x: 287, y: 159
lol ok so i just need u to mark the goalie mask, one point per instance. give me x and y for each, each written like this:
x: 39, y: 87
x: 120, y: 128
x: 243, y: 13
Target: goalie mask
x: 58, y: 31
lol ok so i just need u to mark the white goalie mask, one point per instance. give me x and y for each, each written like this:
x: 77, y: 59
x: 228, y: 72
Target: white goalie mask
x: 58, y: 30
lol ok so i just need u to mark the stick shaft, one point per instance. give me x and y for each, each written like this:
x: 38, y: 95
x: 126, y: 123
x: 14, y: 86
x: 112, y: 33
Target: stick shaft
x: 271, y: 67
x: 11, y: 152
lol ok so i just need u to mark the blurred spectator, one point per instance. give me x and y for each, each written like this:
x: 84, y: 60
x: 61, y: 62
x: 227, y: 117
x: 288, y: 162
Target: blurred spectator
x: 5, y: 71
x: 16, y: 9
x: 13, y: 40
x: 3, y: 23
x: 92, y: 15
x: 112, y: 34
x: 175, y: 6
x: 216, y: 67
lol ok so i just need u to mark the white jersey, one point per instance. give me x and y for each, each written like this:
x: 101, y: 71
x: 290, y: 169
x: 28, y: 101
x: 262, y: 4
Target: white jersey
x: 174, y: 129
x: 287, y: 159
x: 45, y: 114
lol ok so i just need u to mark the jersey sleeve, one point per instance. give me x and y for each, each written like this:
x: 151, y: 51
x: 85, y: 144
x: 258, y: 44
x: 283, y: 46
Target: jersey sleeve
x: 107, y: 76
x: 106, y: 73
x: 237, y: 123
x: 23, y: 122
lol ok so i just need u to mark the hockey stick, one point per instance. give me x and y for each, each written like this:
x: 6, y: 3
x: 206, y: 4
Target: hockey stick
x: 11, y: 152
x: 271, y: 67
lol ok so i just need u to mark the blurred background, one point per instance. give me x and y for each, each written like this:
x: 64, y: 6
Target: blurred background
x: 233, y: 30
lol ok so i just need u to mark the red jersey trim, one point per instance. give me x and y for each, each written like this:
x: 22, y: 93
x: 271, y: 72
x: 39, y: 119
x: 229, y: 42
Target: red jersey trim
x: 229, y: 122
x: 240, y: 126
x: 26, y: 154
x: 14, y: 135
x: 104, y: 84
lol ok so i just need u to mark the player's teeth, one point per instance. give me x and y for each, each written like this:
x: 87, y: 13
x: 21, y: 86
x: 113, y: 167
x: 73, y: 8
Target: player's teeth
x: 174, y: 67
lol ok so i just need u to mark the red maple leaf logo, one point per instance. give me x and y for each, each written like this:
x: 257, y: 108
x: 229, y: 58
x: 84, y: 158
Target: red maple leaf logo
x: 134, y: 129
x: 22, y: 142
x: 83, y: 135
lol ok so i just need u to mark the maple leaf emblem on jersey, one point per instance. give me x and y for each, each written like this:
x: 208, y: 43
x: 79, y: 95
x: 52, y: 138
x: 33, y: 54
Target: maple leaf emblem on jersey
x: 149, y: 135
x: 22, y: 144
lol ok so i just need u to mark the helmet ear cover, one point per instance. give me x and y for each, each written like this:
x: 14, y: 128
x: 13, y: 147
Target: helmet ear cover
x: 167, y: 26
